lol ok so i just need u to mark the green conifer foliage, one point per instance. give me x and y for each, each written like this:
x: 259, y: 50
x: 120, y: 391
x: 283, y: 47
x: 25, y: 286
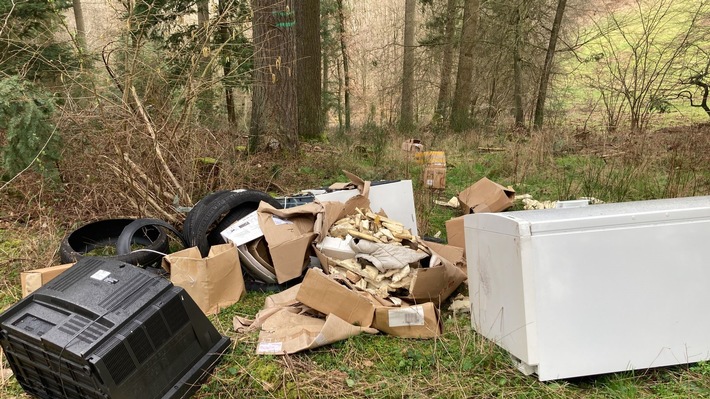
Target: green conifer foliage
x: 30, y: 136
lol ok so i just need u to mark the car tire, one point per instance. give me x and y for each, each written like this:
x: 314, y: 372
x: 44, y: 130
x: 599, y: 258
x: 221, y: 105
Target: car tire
x: 209, y: 217
x: 104, y: 233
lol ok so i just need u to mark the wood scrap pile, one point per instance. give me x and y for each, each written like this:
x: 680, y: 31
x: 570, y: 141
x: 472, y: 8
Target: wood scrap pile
x: 385, y: 255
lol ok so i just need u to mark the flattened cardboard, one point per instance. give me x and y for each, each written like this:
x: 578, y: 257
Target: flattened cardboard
x: 412, y: 145
x: 327, y: 296
x: 486, y: 196
x: 31, y: 280
x: 286, y: 332
x: 455, y: 232
x: 214, y: 282
x: 435, y: 177
x: 289, y: 234
x: 417, y: 321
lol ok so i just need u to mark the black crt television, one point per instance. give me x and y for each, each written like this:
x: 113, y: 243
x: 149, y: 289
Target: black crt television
x: 107, y: 329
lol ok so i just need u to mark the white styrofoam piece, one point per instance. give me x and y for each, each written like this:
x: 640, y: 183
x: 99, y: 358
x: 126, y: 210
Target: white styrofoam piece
x: 338, y: 248
x: 592, y: 290
x: 396, y: 199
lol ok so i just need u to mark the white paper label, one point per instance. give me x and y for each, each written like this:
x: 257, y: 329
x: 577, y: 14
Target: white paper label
x: 243, y: 230
x: 411, y: 316
x: 278, y: 221
x: 239, y: 190
x: 100, y: 275
x: 269, y: 347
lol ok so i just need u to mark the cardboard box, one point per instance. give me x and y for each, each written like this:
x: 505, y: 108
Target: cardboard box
x: 214, y: 282
x: 436, y: 282
x: 435, y: 177
x: 31, y: 280
x: 455, y: 232
x: 486, y: 196
x: 418, y: 321
x: 434, y: 158
x: 453, y: 254
x: 289, y: 234
x: 412, y: 145
x: 326, y: 295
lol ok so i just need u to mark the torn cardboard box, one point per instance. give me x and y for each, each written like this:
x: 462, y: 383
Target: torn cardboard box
x: 214, y: 282
x: 451, y: 253
x: 289, y: 234
x: 417, y: 321
x: 31, y: 280
x: 328, y: 296
x: 486, y: 196
x: 436, y: 282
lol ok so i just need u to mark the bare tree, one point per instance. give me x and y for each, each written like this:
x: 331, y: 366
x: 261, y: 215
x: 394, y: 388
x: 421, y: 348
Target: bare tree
x: 547, y: 66
x: 442, y: 102
x: 642, y: 59
x: 406, y: 117
x: 346, y: 70
x: 463, y: 94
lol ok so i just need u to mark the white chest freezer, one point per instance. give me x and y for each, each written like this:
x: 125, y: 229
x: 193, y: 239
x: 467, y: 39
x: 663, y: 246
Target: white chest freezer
x: 604, y: 288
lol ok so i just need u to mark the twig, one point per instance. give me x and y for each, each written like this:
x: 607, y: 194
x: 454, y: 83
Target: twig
x: 156, y: 146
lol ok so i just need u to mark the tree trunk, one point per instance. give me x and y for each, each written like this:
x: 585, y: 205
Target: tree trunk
x: 274, y: 104
x: 406, y: 115
x: 517, y: 72
x: 308, y: 51
x: 463, y: 93
x: 80, y: 27
x: 325, y: 60
x: 225, y: 33
x: 346, y: 71
x: 442, y: 102
x: 547, y: 67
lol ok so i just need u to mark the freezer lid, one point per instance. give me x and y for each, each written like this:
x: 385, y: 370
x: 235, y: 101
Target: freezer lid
x: 500, y: 222
x: 594, y: 216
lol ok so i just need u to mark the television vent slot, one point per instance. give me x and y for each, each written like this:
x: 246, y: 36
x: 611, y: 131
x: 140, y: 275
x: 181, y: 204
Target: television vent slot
x: 140, y: 345
x: 175, y: 315
x: 157, y: 330
x: 119, y: 363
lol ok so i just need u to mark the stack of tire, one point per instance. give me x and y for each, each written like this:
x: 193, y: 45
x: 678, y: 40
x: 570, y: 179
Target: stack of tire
x: 201, y: 229
x: 217, y: 211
